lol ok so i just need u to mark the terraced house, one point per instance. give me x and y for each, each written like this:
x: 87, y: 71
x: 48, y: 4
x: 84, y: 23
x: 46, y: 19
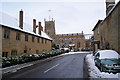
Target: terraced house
x: 17, y: 37
x: 107, y: 31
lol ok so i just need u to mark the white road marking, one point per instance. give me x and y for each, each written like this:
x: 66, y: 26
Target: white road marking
x: 51, y: 68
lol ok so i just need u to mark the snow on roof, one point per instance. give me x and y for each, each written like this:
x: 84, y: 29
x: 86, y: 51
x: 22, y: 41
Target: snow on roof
x: 108, y: 54
x: 12, y: 22
x: 101, y: 21
x: 110, y: 5
x: 110, y: 0
x: 115, y: 5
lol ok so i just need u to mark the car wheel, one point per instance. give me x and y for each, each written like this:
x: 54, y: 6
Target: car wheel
x: 114, y: 72
x: 101, y: 68
x: 96, y: 64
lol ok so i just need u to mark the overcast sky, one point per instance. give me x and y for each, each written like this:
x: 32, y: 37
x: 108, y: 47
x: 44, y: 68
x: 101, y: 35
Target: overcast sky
x: 70, y: 16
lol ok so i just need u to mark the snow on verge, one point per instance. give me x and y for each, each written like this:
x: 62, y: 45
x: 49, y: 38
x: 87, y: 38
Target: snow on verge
x: 94, y: 72
x: 79, y: 52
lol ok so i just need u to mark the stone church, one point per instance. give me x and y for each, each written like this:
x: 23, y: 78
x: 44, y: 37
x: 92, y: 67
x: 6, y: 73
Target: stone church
x: 72, y: 40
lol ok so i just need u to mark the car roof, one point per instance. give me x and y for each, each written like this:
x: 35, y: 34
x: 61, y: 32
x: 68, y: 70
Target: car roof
x: 108, y: 54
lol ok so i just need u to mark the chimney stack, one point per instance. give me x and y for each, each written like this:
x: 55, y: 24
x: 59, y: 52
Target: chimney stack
x: 109, y: 5
x: 34, y: 25
x: 21, y: 19
x: 82, y: 33
x: 39, y: 28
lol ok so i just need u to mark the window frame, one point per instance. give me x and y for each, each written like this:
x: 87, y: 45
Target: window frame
x: 38, y: 40
x: 17, y: 36
x: 33, y: 38
x: 26, y: 37
x: 13, y: 52
x: 4, y: 54
x: 42, y: 41
x: 6, y: 33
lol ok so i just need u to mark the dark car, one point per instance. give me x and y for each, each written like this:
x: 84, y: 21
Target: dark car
x: 107, y: 61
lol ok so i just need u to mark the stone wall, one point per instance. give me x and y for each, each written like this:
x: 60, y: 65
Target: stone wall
x: 20, y: 45
x: 0, y: 40
x: 119, y: 28
x: 109, y: 30
x: 66, y: 39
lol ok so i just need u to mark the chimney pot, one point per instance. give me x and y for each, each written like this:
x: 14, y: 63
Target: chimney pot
x: 41, y: 28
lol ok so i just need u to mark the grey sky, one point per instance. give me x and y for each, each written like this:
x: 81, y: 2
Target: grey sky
x: 70, y: 17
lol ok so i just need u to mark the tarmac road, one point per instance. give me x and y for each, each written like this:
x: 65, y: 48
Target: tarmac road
x: 66, y: 66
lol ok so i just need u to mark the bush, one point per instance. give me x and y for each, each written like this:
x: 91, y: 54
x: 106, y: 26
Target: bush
x: 5, y: 63
x: 24, y: 58
x: 66, y: 51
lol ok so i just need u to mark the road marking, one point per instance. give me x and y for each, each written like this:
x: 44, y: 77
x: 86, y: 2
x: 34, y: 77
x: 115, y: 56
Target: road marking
x: 51, y: 68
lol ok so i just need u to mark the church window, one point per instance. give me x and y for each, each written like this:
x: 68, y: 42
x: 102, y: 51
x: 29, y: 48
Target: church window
x: 78, y: 44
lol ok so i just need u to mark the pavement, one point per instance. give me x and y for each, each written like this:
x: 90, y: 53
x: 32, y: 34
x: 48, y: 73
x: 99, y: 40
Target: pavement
x: 61, y: 66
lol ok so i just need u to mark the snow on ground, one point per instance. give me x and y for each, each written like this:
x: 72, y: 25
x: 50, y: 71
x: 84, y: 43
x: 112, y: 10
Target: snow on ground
x: 75, y: 52
x: 94, y: 72
x: 81, y: 52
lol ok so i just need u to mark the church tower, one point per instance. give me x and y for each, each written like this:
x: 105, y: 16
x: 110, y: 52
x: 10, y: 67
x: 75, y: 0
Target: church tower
x: 50, y: 27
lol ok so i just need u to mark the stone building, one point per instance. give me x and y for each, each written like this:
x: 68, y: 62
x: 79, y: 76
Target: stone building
x: 0, y: 40
x: 50, y: 27
x: 72, y: 40
x: 107, y: 31
x: 18, y: 37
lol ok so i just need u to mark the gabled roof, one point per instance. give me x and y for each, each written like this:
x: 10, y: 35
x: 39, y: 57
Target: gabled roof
x: 113, y: 8
x: 13, y: 23
x: 99, y: 21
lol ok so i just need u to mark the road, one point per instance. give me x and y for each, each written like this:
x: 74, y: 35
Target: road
x: 66, y: 66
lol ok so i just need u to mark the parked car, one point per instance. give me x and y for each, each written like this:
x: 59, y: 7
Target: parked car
x: 107, y: 61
